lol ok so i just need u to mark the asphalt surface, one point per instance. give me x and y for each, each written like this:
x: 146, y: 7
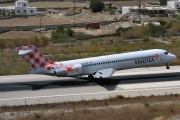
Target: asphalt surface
x: 40, y: 89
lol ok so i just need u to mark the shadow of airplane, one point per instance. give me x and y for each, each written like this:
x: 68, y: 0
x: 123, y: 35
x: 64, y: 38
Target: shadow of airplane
x: 108, y: 83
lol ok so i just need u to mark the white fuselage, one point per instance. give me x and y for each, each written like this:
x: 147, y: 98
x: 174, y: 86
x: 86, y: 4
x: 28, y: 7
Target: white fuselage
x: 117, y: 61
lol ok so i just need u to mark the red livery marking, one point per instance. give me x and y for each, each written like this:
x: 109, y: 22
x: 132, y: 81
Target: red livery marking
x: 68, y: 68
x: 61, y: 64
x: 42, y: 65
x: 77, y: 70
x: 36, y: 59
x: 31, y: 55
x: 50, y: 65
x: 156, y: 56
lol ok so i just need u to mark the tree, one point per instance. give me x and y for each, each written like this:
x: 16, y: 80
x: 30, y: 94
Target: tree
x: 96, y: 5
x: 162, y: 22
x: 156, y: 30
x: 69, y: 32
x: 175, y: 28
x: 163, y: 2
x: 61, y: 34
x: 120, y: 29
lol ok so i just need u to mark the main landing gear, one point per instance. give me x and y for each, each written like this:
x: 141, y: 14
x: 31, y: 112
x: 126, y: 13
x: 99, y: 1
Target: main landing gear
x: 90, y: 77
x: 167, y: 66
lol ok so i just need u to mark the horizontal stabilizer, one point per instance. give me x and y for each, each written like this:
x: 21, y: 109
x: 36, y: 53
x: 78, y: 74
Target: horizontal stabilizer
x: 23, y: 52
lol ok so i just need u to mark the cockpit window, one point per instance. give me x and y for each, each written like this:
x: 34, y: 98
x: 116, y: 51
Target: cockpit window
x: 166, y: 53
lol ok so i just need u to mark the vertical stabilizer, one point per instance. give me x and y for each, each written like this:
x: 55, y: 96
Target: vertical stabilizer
x: 33, y: 57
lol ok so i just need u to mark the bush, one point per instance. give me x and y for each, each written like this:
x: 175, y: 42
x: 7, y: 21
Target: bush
x: 120, y: 97
x: 69, y: 32
x: 120, y: 29
x: 80, y: 36
x: 163, y: 2
x: 38, y: 114
x: 96, y: 5
x: 61, y: 34
x: 177, y: 17
x: 146, y: 103
x: 156, y: 30
x: 145, y: 39
x: 162, y: 22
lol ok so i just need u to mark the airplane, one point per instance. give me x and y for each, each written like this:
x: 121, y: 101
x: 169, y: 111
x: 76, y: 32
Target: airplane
x: 94, y: 67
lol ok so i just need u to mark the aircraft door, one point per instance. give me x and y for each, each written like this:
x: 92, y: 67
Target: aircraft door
x: 161, y: 57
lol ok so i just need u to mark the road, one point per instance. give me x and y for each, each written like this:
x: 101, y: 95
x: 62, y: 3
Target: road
x: 39, y: 89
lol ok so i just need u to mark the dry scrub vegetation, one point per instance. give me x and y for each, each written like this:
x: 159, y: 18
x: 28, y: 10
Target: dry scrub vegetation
x: 127, y: 113
x: 95, y: 47
x: 141, y: 108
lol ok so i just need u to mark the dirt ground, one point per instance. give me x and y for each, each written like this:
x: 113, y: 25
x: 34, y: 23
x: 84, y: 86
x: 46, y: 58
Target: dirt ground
x: 105, y: 29
x: 139, y: 108
x: 85, y: 16
x: 55, y: 19
x: 20, y: 34
x: 130, y: 3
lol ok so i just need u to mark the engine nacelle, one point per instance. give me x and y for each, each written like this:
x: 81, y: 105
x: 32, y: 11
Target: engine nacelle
x: 73, y: 70
x: 60, y: 72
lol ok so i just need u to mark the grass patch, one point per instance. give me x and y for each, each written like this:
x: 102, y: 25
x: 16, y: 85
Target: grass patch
x: 177, y: 17
x: 37, y: 115
x: 120, y: 97
x: 95, y: 47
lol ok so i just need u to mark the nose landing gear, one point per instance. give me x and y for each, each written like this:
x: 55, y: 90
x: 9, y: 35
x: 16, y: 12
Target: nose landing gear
x: 167, y: 66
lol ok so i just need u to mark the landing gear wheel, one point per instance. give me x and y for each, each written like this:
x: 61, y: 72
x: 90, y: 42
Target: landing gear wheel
x: 101, y: 77
x: 167, y: 67
x: 90, y: 77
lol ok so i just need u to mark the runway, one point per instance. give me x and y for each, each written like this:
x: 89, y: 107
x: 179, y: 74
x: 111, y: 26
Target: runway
x: 40, y: 89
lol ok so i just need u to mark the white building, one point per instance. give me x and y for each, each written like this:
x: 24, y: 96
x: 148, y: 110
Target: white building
x: 174, y: 4
x: 21, y: 8
x: 151, y: 11
x: 62, y: 14
x: 126, y: 9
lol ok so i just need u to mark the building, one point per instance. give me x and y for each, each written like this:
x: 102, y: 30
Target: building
x: 92, y: 25
x: 7, y: 10
x: 174, y: 4
x: 155, y: 10
x: 150, y: 11
x: 21, y: 8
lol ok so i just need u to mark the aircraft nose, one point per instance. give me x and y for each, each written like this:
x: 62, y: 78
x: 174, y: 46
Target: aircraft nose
x: 173, y: 57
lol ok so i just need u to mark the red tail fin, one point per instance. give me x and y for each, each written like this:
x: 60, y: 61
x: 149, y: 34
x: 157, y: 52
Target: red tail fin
x: 33, y: 57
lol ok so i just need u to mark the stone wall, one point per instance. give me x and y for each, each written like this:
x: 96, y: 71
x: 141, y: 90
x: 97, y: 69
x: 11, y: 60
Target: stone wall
x: 48, y: 27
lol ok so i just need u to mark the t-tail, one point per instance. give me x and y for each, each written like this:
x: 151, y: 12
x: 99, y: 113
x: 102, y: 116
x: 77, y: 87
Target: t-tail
x: 39, y: 63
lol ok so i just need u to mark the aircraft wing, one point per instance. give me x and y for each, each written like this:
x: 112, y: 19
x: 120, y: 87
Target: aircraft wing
x: 105, y: 73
